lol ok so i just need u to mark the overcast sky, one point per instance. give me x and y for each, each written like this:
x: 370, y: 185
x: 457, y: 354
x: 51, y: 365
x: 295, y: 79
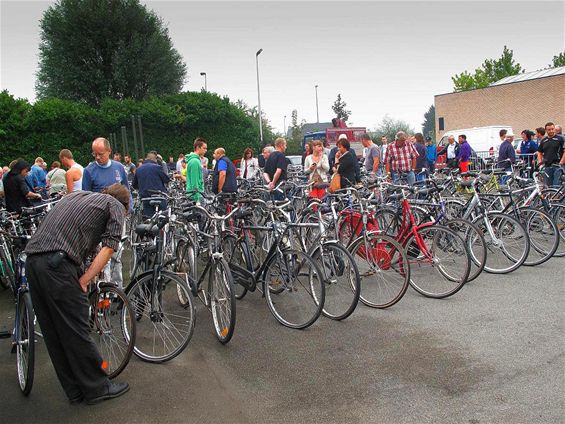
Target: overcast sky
x: 383, y: 57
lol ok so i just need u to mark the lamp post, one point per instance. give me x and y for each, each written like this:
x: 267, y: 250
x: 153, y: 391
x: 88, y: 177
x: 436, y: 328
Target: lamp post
x: 317, y: 115
x: 205, y: 82
x: 259, y: 95
x: 284, y: 125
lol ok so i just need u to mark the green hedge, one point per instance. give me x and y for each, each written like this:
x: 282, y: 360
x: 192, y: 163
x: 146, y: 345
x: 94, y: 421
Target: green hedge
x: 170, y: 124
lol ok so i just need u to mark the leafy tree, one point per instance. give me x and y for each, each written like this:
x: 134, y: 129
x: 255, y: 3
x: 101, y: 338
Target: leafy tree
x: 429, y: 124
x: 490, y: 71
x: 558, y: 60
x: 389, y: 127
x: 295, y: 142
x: 93, y: 49
x: 339, y: 108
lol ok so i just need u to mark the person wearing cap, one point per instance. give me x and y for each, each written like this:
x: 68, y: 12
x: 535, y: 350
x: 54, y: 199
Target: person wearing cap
x: 16, y: 190
x: 451, y: 150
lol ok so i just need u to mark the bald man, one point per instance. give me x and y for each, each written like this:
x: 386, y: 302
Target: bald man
x: 224, y: 179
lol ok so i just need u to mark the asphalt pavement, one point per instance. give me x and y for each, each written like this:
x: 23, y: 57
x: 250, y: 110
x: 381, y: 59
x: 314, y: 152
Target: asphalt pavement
x: 492, y: 353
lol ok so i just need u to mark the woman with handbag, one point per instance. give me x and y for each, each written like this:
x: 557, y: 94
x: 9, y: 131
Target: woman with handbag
x: 345, y: 164
x: 317, y: 166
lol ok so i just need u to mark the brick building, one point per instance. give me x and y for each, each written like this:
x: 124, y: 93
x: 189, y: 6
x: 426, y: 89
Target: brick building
x: 522, y: 101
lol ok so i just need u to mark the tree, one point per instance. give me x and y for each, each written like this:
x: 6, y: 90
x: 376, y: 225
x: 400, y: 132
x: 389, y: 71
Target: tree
x: 429, y: 124
x: 339, y: 108
x: 389, y: 127
x: 491, y: 70
x: 295, y: 142
x: 92, y: 49
x: 558, y: 60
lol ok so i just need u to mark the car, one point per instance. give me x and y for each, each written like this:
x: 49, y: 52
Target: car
x: 295, y: 160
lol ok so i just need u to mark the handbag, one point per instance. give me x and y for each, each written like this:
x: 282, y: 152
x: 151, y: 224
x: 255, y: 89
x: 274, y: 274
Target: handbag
x: 335, y: 183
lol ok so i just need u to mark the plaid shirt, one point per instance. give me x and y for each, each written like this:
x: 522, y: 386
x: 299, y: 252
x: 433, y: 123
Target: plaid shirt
x: 400, y: 158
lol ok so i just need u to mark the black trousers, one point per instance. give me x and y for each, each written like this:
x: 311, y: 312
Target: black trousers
x: 61, y: 308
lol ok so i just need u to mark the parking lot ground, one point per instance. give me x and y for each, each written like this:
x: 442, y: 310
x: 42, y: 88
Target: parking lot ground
x: 493, y: 353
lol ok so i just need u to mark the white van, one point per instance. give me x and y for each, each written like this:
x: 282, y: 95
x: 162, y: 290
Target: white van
x: 481, y: 139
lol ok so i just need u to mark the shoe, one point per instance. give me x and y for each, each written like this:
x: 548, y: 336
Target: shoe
x: 76, y: 399
x: 113, y: 390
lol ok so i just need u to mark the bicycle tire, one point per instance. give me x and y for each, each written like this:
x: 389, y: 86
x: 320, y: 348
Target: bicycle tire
x: 543, y: 235
x: 475, y: 242
x: 112, y: 328
x: 341, y: 278
x: 172, y: 323
x: 8, y: 279
x: 511, y: 247
x: 388, y: 220
x: 557, y: 212
x: 284, y: 285
x: 222, y: 300
x: 235, y: 257
x: 185, y: 264
x: 384, y: 270
x: 441, y: 260
x: 24, y: 336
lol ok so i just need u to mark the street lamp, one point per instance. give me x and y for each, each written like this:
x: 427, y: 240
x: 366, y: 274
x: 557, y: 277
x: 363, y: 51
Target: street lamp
x: 284, y: 125
x: 259, y: 95
x: 317, y: 115
x: 205, y: 82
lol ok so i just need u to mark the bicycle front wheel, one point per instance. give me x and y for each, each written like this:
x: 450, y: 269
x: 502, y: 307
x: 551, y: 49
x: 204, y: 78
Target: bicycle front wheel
x: 507, y: 242
x: 439, y: 261
x: 557, y: 212
x: 164, y: 315
x: 25, y: 343
x: 383, y: 268
x: 475, y: 243
x: 294, y: 288
x: 222, y: 300
x: 341, y: 279
x: 543, y: 235
x: 112, y: 328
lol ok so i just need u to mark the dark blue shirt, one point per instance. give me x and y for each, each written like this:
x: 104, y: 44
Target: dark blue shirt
x: 506, y: 151
x: 150, y: 176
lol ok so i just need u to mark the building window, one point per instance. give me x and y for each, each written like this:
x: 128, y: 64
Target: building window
x: 441, y: 126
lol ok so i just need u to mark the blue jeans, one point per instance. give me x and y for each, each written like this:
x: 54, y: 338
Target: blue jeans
x: 552, y: 174
x: 408, y: 176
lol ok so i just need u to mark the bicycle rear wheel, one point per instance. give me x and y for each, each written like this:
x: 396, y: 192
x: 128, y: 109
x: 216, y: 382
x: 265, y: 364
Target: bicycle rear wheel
x: 543, y: 235
x: 235, y: 257
x: 294, y: 288
x: 507, y: 242
x: 8, y: 278
x: 112, y: 328
x: 383, y: 268
x: 24, y: 335
x: 439, y: 261
x: 164, y: 315
x: 341, y: 279
x: 557, y: 212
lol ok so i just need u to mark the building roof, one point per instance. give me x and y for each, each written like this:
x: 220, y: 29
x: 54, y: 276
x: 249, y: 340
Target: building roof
x: 550, y: 72
x: 311, y: 127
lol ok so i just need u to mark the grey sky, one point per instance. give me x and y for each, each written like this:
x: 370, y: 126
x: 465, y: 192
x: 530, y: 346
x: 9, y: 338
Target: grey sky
x: 383, y: 57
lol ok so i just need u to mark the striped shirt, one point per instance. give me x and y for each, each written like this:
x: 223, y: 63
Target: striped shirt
x: 77, y: 224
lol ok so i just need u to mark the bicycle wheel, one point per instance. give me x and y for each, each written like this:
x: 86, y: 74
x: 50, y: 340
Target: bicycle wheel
x: 341, y: 279
x: 8, y: 279
x: 236, y: 258
x: 185, y: 264
x: 388, y: 221
x: 222, y: 300
x: 294, y: 288
x: 383, y: 268
x: 112, y: 328
x: 24, y: 335
x: 439, y: 261
x: 507, y: 242
x: 543, y: 235
x: 557, y: 212
x: 164, y: 325
x: 475, y: 243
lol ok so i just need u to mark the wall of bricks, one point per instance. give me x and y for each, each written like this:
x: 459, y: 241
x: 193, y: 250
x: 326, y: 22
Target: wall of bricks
x: 527, y: 104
